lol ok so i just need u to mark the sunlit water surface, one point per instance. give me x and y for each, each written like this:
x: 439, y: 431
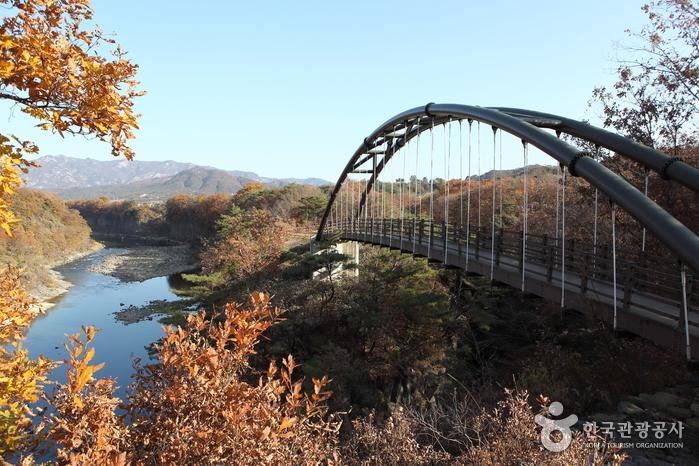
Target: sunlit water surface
x: 92, y: 300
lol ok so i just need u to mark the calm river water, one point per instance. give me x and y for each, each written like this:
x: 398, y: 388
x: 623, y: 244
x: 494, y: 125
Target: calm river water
x: 92, y: 300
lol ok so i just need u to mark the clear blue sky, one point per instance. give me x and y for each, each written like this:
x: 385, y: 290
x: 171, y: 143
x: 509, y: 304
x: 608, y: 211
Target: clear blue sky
x: 288, y: 88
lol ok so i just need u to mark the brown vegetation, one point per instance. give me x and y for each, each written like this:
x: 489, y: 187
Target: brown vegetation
x: 199, y: 403
x: 502, y: 436
x: 193, y: 219
x: 248, y: 242
x: 22, y: 378
x: 48, y: 232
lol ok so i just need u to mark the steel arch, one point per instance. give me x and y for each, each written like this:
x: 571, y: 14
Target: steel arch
x: 671, y: 168
x: 527, y: 125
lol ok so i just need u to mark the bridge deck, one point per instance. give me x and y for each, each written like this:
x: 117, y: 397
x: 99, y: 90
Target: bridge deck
x: 648, y: 292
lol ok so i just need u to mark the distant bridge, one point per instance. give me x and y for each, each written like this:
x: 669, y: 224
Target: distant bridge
x: 634, y: 291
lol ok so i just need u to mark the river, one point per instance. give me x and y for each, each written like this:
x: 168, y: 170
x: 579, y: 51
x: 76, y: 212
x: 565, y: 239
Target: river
x: 92, y: 300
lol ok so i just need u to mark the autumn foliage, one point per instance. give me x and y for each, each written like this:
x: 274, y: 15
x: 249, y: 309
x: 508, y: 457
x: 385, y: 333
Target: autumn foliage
x: 200, y: 403
x: 49, y: 68
x: 21, y: 378
x: 247, y: 243
x: 47, y: 234
x: 13, y: 164
x: 86, y: 427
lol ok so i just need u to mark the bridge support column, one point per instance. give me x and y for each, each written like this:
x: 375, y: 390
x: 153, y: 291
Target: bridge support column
x: 350, y: 249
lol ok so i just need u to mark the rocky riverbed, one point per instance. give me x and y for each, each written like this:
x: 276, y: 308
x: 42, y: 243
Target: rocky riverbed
x: 168, y: 311
x: 664, y: 411
x: 140, y: 263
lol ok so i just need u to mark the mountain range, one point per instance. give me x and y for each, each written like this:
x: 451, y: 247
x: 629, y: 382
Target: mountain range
x: 77, y: 178
x: 148, y: 181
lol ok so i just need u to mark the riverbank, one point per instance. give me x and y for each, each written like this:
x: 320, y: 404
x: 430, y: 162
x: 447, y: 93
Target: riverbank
x: 56, y: 285
x: 140, y: 263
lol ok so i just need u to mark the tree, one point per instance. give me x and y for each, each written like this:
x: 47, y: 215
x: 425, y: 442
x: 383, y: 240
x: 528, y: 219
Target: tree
x: 247, y: 243
x: 340, y: 326
x: 12, y: 164
x: 655, y: 101
x: 311, y: 208
x: 656, y: 96
x: 21, y: 378
x: 247, y: 191
x: 53, y: 69
x: 50, y: 69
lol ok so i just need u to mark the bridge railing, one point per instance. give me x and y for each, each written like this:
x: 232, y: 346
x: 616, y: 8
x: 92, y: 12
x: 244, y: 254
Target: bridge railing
x: 635, y: 270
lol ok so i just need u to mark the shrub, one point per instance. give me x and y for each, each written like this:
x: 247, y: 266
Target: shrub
x: 198, y: 403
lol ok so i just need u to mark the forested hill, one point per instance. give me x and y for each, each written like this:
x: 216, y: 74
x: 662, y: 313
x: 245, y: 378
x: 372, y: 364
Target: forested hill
x: 48, y: 232
x: 532, y: 170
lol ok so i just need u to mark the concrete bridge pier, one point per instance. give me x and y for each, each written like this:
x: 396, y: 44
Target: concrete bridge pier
x: 347, y: 248
x: 350, y: 249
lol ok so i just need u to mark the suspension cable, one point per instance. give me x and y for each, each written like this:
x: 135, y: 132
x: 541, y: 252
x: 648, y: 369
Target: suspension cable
x: 375, y: 211
x: 468, y: 206
x: 382, y: 191
x: 594, y: 230
x: 429, y: 243
x: 338, y: 207
x: 525, y: 208
x: 492, y: 221
x: 418, y: 200
x: 479, y: 178
x: 502, y: 183
x: 683, y: 276
x: 355, y: 205
x: 461, y: 176
x: 351, y: 185
x: 645, y: 192
x: 563, y: 238
x: 390, y: 205
x: 558, y: 203
x: 342, y: 206
x: 404, y: 155
x: 331, y: 223
x: 334, y: 211
x: 447, y: 156
x: 613, y: 209
x: 371, y: 206
x: 366, y: 190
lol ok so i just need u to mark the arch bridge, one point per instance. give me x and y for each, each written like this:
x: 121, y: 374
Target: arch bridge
x: 652, y: 293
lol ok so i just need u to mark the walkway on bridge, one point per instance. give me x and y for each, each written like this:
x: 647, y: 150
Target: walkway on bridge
x: 646, y: 302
